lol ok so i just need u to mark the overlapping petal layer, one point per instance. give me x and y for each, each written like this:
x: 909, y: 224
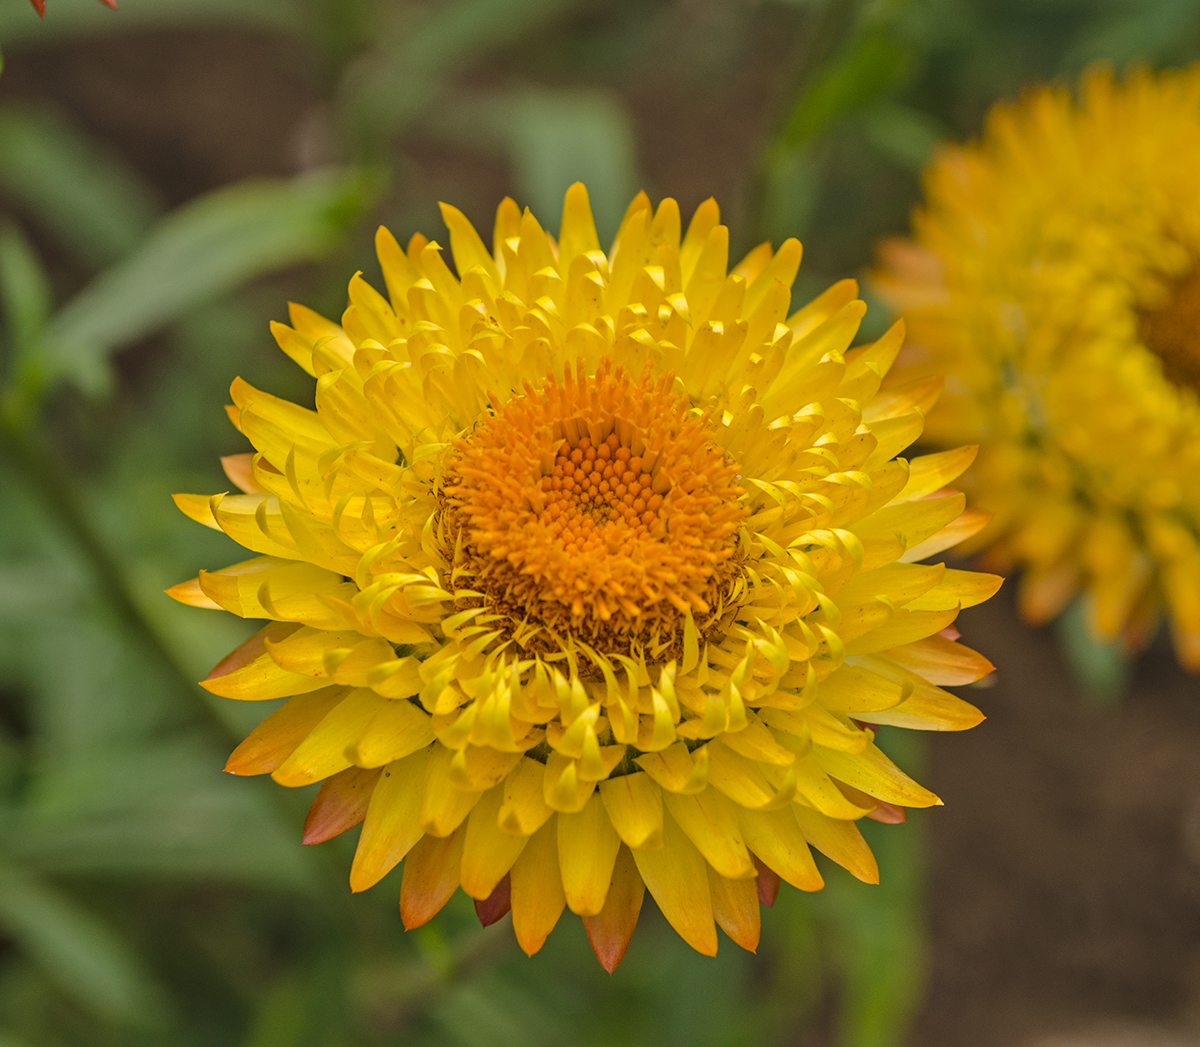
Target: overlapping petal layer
x: 1055, y: 275
x: 588, y: 575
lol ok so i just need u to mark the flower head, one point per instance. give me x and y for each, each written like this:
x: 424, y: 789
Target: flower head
x: 1056, y: 278
x: 588, y: 575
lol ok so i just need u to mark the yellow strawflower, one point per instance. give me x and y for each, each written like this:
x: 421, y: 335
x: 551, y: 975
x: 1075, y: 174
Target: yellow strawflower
x: 1055, y: 276
x: 588, y: 575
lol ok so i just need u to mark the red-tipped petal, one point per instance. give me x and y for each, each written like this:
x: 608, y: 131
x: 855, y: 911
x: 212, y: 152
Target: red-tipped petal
x: 610, y: 930
x: 40, y: 7
x: 496, y: 904
x: 109, y: 3
x: 877, y: 810
x: 768, y: 884
x: 340, y: 804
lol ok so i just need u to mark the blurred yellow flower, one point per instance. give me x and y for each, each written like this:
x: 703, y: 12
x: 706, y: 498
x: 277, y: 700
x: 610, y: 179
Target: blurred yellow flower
x: 1055, y: 276
x: 588, y: 574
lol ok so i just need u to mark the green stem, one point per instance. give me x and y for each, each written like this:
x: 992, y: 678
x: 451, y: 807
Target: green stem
x: 52, y: 486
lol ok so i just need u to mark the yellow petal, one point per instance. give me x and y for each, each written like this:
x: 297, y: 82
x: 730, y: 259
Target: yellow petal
x: 537, y: 890
x: 710, y: 822
x: 444, y: 805
x: 398, y: 728
x: 777, y: 841
x: 838, y: 840
x: 677, y: 877
x: 276, y: 738
x: 392, y: 825
x: 873, y: 773
x: 634, y: 805
x: 941, y: 661
x: 587, y: 848
x: 323, y: 752
x: 577, y: 233
x: 524, y: 810
x: 929, y: 473
x: 488, y: 853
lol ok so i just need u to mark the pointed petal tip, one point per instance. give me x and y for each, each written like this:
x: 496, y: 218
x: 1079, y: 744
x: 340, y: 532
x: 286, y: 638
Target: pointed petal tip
x: 496, y: 905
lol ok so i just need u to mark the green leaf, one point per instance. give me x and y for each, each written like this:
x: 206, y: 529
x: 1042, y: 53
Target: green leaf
x: 204, y: 249
x: 24, y: 290
x: 870, y: 66
x: 78, y: 951
x: 95, y: 206
x: 164, y: 809
x: 904, y: 135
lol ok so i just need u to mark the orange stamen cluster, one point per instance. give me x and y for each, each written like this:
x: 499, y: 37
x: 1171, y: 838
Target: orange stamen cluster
x: 597, y: 507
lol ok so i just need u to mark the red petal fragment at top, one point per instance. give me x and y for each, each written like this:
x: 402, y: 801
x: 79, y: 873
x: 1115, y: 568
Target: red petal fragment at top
x: 496, y: 904
x: 39, y: 6
x: 768, y: 884
x: 109, y: 3
x: 340, y: 804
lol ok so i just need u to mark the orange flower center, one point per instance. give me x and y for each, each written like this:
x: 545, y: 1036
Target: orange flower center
x: 1172, y: 332
x: 597, y: 507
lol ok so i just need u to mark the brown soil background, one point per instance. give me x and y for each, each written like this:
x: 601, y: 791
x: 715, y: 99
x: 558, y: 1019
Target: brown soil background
x: 1065, y: 867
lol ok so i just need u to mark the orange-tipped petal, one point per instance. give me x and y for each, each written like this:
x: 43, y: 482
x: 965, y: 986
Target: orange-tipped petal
x: 431, y: 873
x: 240, y: 470
x: 840, y: 841
x: 191, y: 594
x: 942, y: 661
x: 276, y: 738
x: 495, y: 905
x: 340, y: 804
x: 735, y: 907
x: 40, y: 7
x: 611, y: 929
x: 768, y: 883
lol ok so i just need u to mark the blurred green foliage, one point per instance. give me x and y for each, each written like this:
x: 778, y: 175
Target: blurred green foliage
x: 147, y: 899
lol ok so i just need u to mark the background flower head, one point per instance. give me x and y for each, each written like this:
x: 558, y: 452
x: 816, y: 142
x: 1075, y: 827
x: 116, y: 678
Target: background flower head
x: 1055, y: 274
x: 590, y: 573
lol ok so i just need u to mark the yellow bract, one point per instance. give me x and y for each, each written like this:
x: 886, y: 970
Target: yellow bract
x: 1055, y: 275
x: 588, y: 576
